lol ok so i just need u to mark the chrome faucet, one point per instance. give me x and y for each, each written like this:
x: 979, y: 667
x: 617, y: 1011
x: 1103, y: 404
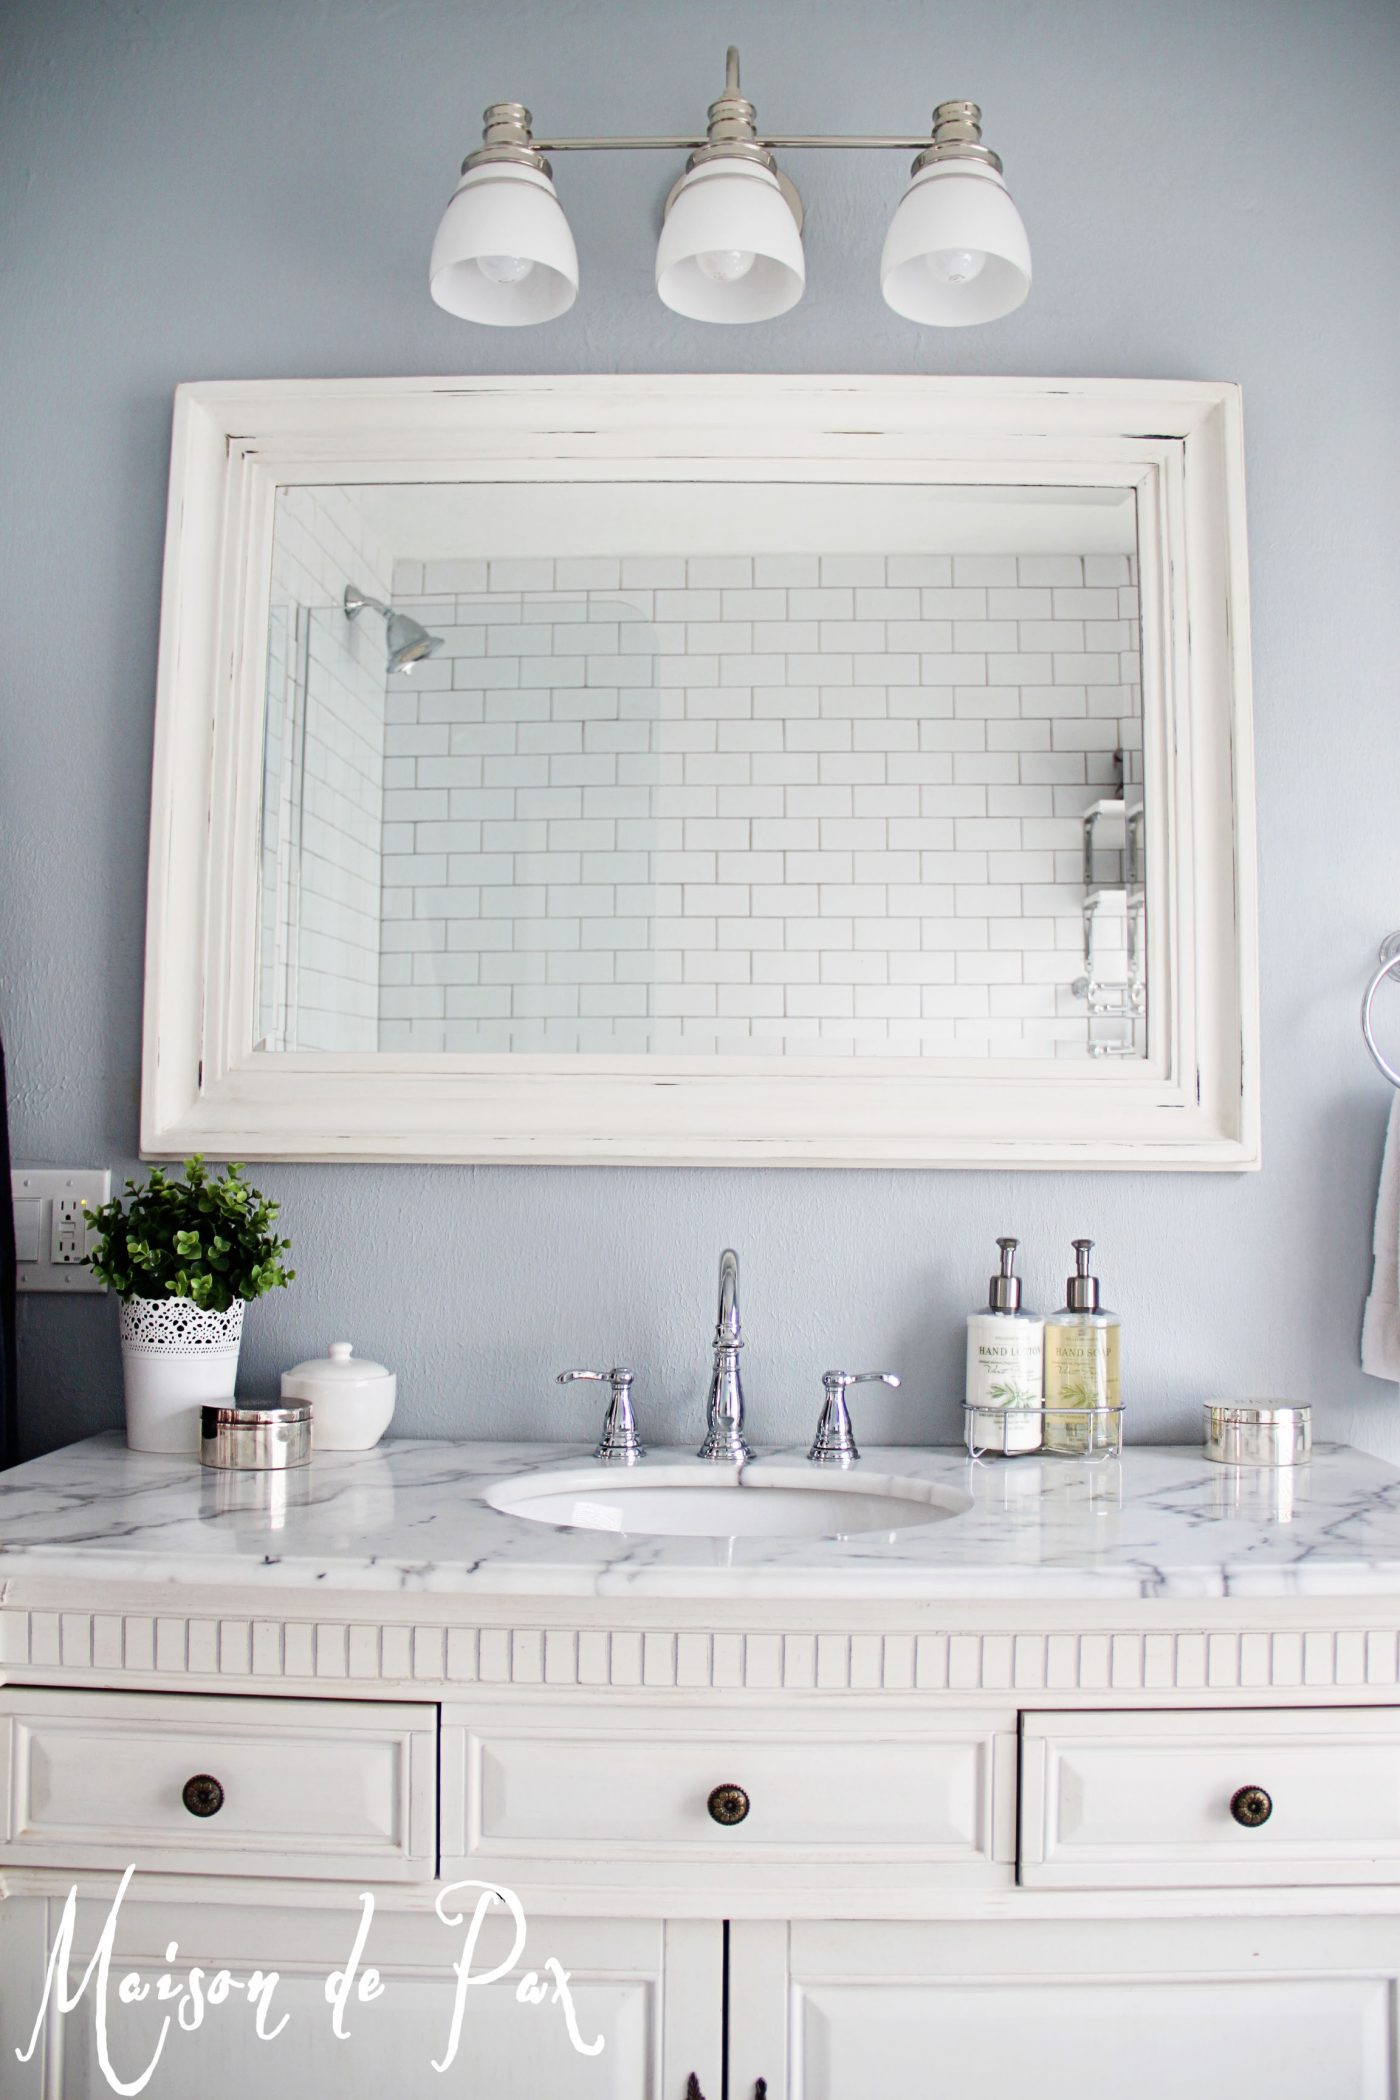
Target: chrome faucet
x: 724, y: 1409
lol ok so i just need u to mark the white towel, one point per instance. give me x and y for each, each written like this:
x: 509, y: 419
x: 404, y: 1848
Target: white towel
x: 1380, y: 1329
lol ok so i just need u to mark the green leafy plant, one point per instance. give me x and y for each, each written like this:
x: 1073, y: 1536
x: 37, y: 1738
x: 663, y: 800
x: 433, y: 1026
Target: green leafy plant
x: 203, y: 1238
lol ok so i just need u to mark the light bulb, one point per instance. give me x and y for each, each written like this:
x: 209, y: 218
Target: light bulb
x: 957, y: 265
x: 505, y: 269
x: 725, y: 265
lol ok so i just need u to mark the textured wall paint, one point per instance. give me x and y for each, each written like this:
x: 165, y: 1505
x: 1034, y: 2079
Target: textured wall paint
x: 248, y: 190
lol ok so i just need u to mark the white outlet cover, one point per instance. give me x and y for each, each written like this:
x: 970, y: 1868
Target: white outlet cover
x: 34, y: 1192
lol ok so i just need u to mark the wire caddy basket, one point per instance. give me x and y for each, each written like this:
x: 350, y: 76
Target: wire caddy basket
x: 1055, y: 1432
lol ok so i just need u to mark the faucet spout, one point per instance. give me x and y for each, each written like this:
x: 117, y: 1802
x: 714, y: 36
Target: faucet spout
x: 724, y: 1409
x: 727, y: 1323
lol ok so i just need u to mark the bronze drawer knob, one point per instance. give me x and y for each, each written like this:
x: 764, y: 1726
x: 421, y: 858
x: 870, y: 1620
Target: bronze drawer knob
x: 728, y: 1804
x: 1251, y: 1806
x: 202, y: 1795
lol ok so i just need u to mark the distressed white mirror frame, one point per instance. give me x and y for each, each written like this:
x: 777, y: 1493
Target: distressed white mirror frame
x: 1191, y: 1102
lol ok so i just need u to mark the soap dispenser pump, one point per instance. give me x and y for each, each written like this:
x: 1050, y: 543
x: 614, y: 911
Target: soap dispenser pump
x: 1005, y: 1366
x: 1083, y: 1382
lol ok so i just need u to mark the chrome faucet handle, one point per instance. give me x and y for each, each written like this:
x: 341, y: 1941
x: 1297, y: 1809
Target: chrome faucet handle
x: 619, y: 1445
x: 834, y: 1443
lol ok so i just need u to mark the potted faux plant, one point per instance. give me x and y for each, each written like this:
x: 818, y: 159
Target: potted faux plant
x: 184, y: 1257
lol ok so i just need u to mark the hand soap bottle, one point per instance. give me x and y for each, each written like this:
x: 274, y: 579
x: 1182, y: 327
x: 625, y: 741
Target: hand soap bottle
x: 1005, y: 1367
x: 1083, y: 1388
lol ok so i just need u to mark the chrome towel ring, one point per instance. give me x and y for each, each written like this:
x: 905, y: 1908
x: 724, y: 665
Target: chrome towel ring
x: 1389, y: 964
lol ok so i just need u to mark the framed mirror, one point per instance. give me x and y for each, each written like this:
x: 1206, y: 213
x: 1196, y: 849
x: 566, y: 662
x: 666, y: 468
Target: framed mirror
x: 830, y: 772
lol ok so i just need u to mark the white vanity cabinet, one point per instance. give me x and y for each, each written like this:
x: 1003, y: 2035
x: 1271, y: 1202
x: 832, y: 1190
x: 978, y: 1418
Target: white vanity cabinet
x: 1100, y: 1819
x: 1202, y: 2007
x: 620, y: 1975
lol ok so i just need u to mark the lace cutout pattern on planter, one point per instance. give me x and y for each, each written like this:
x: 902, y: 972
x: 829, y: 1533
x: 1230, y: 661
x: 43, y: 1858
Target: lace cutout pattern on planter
x: 178, y: 1327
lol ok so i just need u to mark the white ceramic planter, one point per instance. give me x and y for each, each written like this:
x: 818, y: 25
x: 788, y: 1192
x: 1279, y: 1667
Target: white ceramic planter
x: 175, y: 1359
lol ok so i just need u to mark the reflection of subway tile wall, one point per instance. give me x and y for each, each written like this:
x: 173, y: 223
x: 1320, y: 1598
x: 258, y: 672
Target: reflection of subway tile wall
x: 781, y: 803
x: 323, y: 780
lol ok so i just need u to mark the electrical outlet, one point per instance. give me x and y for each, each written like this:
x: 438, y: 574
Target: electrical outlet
x: 51, y: 1230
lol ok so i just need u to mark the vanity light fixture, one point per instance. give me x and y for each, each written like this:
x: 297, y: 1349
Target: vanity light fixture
x: 731, y: 239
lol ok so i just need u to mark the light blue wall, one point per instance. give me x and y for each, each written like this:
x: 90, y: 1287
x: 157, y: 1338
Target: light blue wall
x: 248, y: 189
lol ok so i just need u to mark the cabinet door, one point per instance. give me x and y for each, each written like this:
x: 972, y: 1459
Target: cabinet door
x: 651, y: 1993
x: 1211, y: 2008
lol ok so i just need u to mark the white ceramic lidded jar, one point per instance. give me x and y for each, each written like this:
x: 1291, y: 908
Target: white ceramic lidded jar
x: 352, y: 1399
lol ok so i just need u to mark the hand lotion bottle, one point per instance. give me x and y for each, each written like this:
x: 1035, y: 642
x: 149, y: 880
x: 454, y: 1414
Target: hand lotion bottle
x: 1083, y: 1385
x: 1005, y: 1367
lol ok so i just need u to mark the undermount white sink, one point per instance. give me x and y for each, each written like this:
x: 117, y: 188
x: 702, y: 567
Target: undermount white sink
x: 700, y: 1502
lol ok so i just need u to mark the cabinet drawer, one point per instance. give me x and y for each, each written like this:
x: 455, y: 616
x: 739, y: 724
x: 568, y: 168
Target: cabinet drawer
x: 1144, y: 1800
x: 304, y: 1786
x: 616, y: 1796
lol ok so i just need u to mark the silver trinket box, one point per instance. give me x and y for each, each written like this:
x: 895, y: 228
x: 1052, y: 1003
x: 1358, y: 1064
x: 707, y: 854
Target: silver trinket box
x: 255, y: 1439
x: 1258, y: 1432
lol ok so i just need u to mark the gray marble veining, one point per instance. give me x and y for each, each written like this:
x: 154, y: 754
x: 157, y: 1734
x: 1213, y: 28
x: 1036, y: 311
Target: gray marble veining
x: 409, y: 1517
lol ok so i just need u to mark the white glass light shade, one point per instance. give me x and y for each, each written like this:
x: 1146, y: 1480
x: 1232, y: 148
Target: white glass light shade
x: 723, y: 212
x: 956, y: 252
x: 503, y: 253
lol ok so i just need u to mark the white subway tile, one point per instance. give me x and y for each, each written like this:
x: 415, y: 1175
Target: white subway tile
x: 413, y: 804
x: 653, y: 572
x: 440, y: 578
x: 995, y: 966
x: 822, y: 604
x: 988, y: 702
x: 852, y: 569
x: 864, y: 966
x: 1019, y: 866
x: 1018, y: 736
x: 750, y: 867
x: 885, y: 669
x: 452, y: 837
x: 719, y: 571
x: 922, y: 569
x: 921, y: 969
x: 587, y: 572
x: 520, y: 573
x: 885, y: 867
x: 719, y: 638
x: 1091, y: 735
x: 1051, y: 569
x: 885, y: 603
x: 787, y: 967
x: 754, y: 605
x: 887, y: 934
x: 784, y: 901
x: 985, y: 569
x: 885, y: 736
x: 752, y: 936
x: 782, y: 834
x: 784, y: 571
x: 1050, y: 702
x: 745, y: 670
x: 829, y: 866
x: 786, y: 637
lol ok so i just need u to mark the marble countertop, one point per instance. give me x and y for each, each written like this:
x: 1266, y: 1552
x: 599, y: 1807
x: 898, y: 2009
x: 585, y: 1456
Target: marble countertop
x: 410, y: 1518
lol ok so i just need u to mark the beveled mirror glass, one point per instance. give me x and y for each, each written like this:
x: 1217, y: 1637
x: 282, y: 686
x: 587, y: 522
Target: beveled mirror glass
x: 706, y: 777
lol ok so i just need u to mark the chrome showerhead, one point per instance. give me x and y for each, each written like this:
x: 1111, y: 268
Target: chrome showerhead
x: 406, y: 641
